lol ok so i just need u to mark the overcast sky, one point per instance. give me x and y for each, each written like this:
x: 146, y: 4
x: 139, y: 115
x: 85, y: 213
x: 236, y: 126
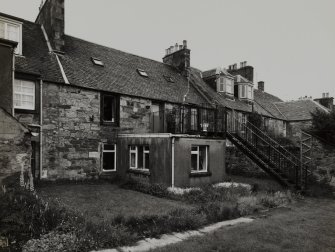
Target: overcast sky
x: 290, y: 43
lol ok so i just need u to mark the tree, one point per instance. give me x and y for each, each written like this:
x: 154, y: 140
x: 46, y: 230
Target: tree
x: 323, y: 125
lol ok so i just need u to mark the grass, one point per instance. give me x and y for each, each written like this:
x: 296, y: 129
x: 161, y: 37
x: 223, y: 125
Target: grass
x: 307, y: 225
x: 104, y: 202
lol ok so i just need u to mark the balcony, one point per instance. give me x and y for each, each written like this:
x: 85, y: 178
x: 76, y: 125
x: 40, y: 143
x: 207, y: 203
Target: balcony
x: 204, y: 121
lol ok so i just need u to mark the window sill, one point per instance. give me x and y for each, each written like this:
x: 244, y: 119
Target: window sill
x: 139, y: 171
x: 200, y: 174
x: 108, y: 171
x: 112, y: 124
x: 25, y: 111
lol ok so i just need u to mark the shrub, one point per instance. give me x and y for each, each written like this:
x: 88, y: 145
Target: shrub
x: 276, y: 199
x: 157, y: 190
x: 219, y: 211
x: 247, y: 205
x: 53, y: 241
x: 323, y: 125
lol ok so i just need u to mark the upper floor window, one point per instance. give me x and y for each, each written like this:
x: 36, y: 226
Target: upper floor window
x: 11, y: 30
x: 109, y: 108
x: 226, y: 85
x: 246, y: 91
x: 24, y: 94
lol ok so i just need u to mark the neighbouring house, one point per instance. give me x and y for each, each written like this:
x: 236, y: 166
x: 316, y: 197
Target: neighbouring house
x: 94, y: 111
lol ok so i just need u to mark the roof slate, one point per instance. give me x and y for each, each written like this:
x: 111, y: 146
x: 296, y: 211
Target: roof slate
x: 264, y: 104
x: 298, y: 110
x: 120, y: 75
x: 36, y: 58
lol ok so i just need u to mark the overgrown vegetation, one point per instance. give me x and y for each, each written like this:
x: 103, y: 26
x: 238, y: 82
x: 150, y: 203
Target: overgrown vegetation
x: 32, y: 224
x: 323, y: 125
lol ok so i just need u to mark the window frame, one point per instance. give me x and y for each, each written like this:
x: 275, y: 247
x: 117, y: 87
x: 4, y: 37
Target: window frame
x: 108, y: 151
x: 22, y: 108
x: 135, y: 151
x: 197, y: 152
x: 116, y: 103
x: 97, y: 62
x: 142, y: 73
x: 6, y: 21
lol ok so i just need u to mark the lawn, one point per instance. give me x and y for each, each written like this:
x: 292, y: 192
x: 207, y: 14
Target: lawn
x: 103, y: 202
x: 307, y: 225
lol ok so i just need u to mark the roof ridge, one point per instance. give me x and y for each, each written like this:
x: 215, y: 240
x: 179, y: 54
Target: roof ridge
x: 156, y: 61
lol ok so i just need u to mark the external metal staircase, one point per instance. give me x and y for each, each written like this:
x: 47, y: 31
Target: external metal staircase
x: 268, y: 154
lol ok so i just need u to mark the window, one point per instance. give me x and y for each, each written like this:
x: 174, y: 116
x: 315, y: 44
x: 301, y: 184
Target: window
x: 199, y: 158
x: 229, y: 86
x: 24, y: 94
x: 139, y: 157
x: 221, y: 84
x: 109, y: 157
x: 109, y: 109
x: 168, y: 78
x: 142, y: 73
x: 11, y: 30
x: 97, y: 61
x: 194, y: 119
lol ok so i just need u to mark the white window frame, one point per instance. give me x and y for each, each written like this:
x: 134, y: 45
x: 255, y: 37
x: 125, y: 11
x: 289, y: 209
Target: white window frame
x: 98, y: 62
x: 108, y: 151
x: 197, y: 152
x: 20, y: 82
x: 18, y: 24
x: 133, y: 149
x: 229, y: 85
x: 221, y: 85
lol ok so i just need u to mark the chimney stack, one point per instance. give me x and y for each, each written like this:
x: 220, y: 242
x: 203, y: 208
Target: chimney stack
x: 261, y: 86
x: 51, y: 16
x: 244, y: 70
x: 179, y: 57
x: 326, y: 101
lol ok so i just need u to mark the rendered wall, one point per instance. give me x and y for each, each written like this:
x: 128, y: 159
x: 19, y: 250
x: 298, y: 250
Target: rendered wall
x: 216, y: 162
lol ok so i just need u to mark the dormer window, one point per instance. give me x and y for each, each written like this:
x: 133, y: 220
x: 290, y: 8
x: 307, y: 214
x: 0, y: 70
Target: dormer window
x: 11, y: 30
x: 169, y: 79
x: 225, y: 85
x: 142, y: 73
x: 246, y: 91
x: 97, y: 61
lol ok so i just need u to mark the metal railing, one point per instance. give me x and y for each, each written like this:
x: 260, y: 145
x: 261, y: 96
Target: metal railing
x: 268, y: 150
x: 190, y: 120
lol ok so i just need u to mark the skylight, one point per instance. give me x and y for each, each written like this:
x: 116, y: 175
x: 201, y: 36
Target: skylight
x: 142, y: 73
x: 97, y: 61
x: 168, y: 78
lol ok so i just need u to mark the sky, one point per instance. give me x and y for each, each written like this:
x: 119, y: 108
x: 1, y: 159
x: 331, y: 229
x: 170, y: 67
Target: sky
x: 290, y: 43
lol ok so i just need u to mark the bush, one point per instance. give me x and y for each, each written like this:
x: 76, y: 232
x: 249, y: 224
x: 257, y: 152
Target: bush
x: 247, y: 205
x: 219, y: 211
x: 53, y: 241
x: 323, y: 125
x: 157, y: 190
x: 271, y: 200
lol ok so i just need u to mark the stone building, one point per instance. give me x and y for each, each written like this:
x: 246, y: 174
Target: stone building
x: 94, y: 111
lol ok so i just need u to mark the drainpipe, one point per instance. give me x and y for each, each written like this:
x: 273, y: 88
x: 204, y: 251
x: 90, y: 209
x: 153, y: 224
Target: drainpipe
x: 41, y: 124
x: 172, y: 164
x: 13, y: 80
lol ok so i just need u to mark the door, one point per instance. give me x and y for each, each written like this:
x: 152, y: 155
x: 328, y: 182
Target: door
x: 157, y: 118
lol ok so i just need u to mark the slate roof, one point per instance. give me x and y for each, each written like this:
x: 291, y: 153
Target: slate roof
x: 213, y: 72
x: 218, y: 98
x: 36, y: 58
x: 120, y: 75
x: 264, y: 104
x: 299, y: 110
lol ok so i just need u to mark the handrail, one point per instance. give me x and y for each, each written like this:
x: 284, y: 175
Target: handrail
x: 263, y: 139
x: 274, y: 141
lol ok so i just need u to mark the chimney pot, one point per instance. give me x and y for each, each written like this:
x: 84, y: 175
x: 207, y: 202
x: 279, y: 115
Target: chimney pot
x: 241, y: 64
x: 185, y: 44
x: 180, y: 47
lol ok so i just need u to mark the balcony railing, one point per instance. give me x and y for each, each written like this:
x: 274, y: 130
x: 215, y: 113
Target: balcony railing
x: 205, y: 121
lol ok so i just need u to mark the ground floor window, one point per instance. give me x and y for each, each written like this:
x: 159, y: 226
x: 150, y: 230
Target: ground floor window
x: 199, y: 158
x: 139, y: 157
x: 109, y: 157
